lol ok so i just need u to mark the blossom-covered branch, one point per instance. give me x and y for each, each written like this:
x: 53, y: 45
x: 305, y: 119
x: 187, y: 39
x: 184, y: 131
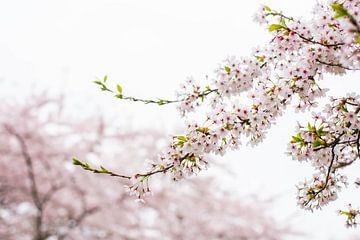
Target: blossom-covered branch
x: 185, y: 99
x: 330, y: 144
x: 289, y: 68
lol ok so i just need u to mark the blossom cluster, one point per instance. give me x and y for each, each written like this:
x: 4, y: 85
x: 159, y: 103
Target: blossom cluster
x: 330, y: 144
x: 320, y: 190
x: 191, y: 95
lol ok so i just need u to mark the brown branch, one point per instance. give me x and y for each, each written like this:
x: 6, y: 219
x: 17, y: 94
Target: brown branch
x: 343, y: 164
x: 160, y: 102
x: 34, y: 192
x: 155, y: 172
x: 336, y: 65
x: 29, y: 165
x: 315, y: 42
x: 333, y: 156
x: 358, y: 143
x: 332, y: 144
x: 102, y: 170
x: 354, y: 22
x: 352, y: 104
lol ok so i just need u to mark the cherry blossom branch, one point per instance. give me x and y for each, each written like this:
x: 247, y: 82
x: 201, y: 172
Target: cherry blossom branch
x: 275, y: 13
x: 313, y: 142
x: 333, y: 156
x: 337, y: 8
x: 332, y: 144
x: 341, y: 11
x: 160, y: 102
x: 103, y: 170
x: 164, y: 170
x: 283, y: 69
x: 310, y: 40
x: 358, y: 143
x: 336, y: 65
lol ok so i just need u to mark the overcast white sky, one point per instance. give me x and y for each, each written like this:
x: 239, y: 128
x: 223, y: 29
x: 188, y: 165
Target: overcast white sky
x: 150, y: 47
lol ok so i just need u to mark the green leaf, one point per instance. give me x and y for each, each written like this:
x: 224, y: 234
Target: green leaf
x: 297, y: 138
x: 119, y: 88
x: 77, y: 162
x: 317, y: 143
x: 260, y: 58
x: 105, y: 78
x: 348, y: 214
x: 294, y: 139
x: 339, y: 10
x: 283, y: 23
x: 203, y: 130
x: 267, y: 8
x: 104, y: 170
x: 274, y: 27
x: 228, y: 127
x: 98, y: 82
x: 311, y: 128
x: 342, y: 106
x: 357, y: 39
x: 227, y: 69
x: 321, y: 132
x: 179, y: 143
x: 182, y: 138
x: 161, y: 102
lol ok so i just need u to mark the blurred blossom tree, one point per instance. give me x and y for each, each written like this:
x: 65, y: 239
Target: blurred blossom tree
x: 248, y: 94
x: 42, y: 195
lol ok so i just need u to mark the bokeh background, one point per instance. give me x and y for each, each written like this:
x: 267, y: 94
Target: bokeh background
x: 149, y: 48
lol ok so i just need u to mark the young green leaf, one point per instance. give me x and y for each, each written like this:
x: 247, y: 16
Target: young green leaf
x: 297, y: 138
x: 339, y: 10
x: 260, y: 58
x: 104, y: 170
x: 119, y: 88
x: 357, y: 39
x: 77, y: 162
x: 317, y: 143
x: 227, y: 69
x: 274, y: 27
x: 182, y: 138
x: 267, y: 8
x: 161, y: 102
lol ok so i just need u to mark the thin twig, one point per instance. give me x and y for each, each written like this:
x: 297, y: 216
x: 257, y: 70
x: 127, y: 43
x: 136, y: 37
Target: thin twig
x: 336, y: 65
x: 315, y: 42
